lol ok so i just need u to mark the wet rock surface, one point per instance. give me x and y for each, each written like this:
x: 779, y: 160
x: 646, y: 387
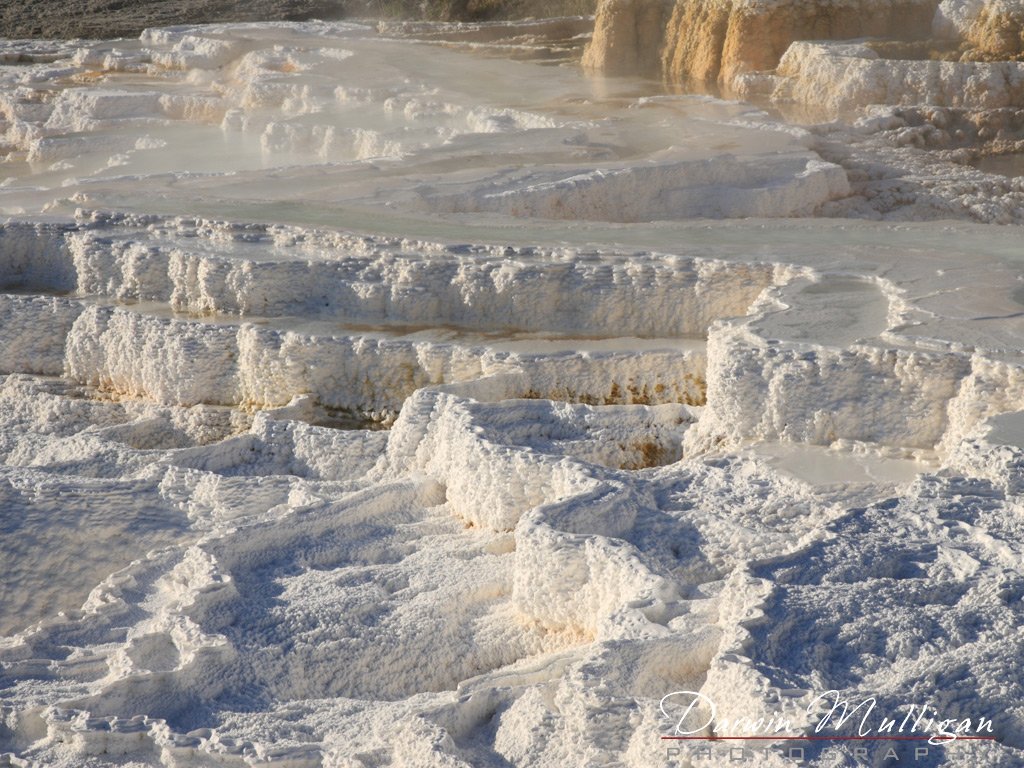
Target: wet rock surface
x: 55, y: 19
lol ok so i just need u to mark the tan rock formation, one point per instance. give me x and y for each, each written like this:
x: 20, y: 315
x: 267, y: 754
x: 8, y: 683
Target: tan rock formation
x: 760, y: 31
x: 997, y: 33
x: 628, y: 37
x: 714, y: 40
x: 695, y: 40
x: 838, y: 78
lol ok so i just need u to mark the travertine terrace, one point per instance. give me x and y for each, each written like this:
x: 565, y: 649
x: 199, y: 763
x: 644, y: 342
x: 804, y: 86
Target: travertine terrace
x: 400, y: 395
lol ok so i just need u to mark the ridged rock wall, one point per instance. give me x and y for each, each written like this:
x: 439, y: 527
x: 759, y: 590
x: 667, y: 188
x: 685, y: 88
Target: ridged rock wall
x: 989, y: 29
x: 840, y: 77
x: 714, y: 40
x: 627, y: 37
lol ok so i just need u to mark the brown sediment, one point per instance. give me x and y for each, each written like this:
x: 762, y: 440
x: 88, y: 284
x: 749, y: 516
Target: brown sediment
x: 917, y: 50
x: 691, y: 391
x: 701, y: 386
x: 649, y: 453
x: 104, y: 19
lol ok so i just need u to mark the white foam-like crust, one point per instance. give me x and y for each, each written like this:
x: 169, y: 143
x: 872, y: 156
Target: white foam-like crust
x: 318, y: 322
x: 490, y: 579
x: 954, y: 19
x: 360, y: 124
x: 842, y: 77
x: 580, y: 504
x: 715, y: 189
x: 201, y: 104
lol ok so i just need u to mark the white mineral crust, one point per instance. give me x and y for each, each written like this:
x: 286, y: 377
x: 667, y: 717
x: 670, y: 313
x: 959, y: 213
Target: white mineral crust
x: 614, y: 454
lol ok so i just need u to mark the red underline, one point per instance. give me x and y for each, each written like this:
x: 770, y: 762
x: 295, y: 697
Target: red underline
x: 827, y: 738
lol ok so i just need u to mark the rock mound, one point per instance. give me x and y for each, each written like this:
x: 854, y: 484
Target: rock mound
x: 713, y: 41
x: 988, y: 29
x: 628, y: 36
x: 756, y: 33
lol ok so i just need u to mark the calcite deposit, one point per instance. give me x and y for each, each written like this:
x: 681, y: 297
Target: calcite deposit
x: 988, y: 29
x: 627, y: 37
x: 719, y: 42
x: 397, y: 395
x: 712, y: 41
x: 839, y: 78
